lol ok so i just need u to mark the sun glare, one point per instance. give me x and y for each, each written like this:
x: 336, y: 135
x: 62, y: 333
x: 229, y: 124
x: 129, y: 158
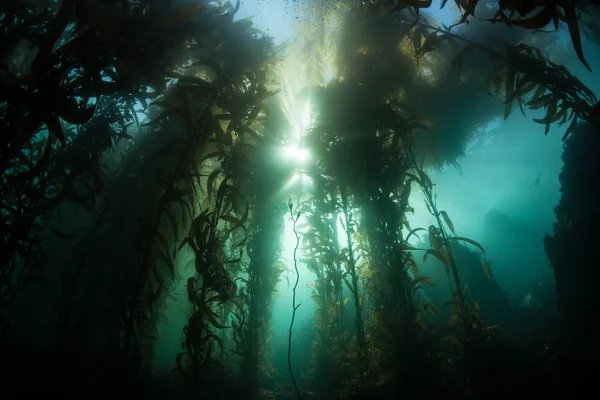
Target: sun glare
x: 296, y: 154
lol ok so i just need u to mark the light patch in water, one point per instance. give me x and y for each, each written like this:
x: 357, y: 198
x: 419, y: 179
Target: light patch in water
x: 296, y: 154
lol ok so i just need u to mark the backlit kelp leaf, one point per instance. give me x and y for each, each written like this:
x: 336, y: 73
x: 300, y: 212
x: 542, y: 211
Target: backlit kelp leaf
x: 469, y: 9
x: 223, y: 188
x: 434, y: 240
x: 403, y: 204
x: 413, y: 265
x: 210, y: 182
x: 453, y: 321
x: 110, y: 73
x: 454, y: 303
x: 560, y: 115
x: 539, y: 92
x: 216, y: 154
x: 184, y: 205
x: 430, y: 309
x: 211, y: 316
x: 238, y: 222
x: 433, y: 41
x: 480, y: 247
x: 571, y: 18
x: 163, y: 241
x: 425, y: 181
x: 230, y: 10
x: 549, y: 13
x: 250, y: 131
x: 510, y: 87
x: 551, y: 113
x: 367, y: 274
x: 350, y: 285
x: 167, y: 259
x: 540, y: 102
x: 417, y: 37
x: 413, y: 232
x: 198, y: 225
x: 486, y: 269
x: 448, y: 221
x: 538, y: 21
x: 440, y: 255
x: 428, y: 207
x: 570, y: 129
x: 251, y: 117
x: 173, y: 222
x: 406, y: 223
x: 420, y: 124
x: 524, y: 86
x: 342, y: 223
x: 425, y: 280
x: 473, y: 242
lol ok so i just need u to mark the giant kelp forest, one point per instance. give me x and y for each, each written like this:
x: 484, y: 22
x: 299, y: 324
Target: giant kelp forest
x: 141, y: 147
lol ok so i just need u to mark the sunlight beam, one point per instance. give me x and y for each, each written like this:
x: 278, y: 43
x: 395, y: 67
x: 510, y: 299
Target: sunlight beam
x: 296, y: 154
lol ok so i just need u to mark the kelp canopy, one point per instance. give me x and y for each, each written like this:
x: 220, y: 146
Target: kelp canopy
x: 138, y: 149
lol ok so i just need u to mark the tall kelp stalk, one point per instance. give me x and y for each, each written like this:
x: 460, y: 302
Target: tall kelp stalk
x: 364, y: 158
x: 347, y: 148
x: 362, y: 140
x: 242, y: 113
x: 374, y: 163
x: 222, y: 225
x: 323, y: 257
x: 263, y: 267
x: 348, y: 224
x: 474, y: 336
x: 382, y: 203
x: 263, y: 273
